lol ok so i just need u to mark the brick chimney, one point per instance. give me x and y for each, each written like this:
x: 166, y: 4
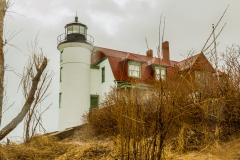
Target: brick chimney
x: 165, y: 52
x: 149, y: 53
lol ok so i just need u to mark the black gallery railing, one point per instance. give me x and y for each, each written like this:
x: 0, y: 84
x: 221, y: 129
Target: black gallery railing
x: 75, y: 37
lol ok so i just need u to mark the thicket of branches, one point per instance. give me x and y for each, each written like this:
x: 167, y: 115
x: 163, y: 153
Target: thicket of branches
x: 182, y: 112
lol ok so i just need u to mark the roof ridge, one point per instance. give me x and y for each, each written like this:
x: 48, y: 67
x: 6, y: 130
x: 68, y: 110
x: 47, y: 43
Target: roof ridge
x: 141, y: 57
x: 113, y: 49
x: 189, y: 58
x: 137, y: 55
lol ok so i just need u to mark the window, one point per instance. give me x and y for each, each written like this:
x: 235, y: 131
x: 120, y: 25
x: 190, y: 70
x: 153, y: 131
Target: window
x: 75, y: 28
x: 82, y: 30
x: 202, y: 77
x: 197, y: 76
x: 69, y: 29
x: 61, y: 56
x: 134, y: 69
x: 61, y: 74
x: 93, y: 101
x: 103, y: 74
x: 60, y: 100
x: 160, y: 72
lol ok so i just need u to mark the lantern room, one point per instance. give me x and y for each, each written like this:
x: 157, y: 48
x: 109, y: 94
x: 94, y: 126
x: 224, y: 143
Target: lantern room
x: 75, y: 32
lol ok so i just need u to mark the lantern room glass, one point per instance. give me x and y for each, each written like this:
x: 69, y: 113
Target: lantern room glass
x: 76, y: 29
x: 69, y: 29
x: 82, y: 30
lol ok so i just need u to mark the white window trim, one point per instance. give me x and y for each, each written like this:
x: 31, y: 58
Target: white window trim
x: 160, y: 73
x: 134, y: 69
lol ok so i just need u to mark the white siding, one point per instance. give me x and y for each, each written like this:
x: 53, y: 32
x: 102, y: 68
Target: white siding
x: 95, y: 78
x: 75, y: 86
x: 97, y: 87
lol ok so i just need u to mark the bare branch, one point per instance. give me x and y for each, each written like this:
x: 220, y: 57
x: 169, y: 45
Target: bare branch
x: 29, y: 100
x: 146, y: 42
x: 215, y: 28
x: 159, y: 39
x: 215, y: 38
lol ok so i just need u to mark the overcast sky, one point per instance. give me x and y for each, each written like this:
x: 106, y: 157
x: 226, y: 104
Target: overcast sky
x: 115, y: 24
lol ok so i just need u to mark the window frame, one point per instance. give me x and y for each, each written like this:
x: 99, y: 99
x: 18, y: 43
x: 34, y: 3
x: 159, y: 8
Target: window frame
x: 135, y: 63
x: 103, y: 74
x: 91, y: 101
x: 61, y: 74
x: 61, y: 58
x: 161, y: 68
x: 60, y: 100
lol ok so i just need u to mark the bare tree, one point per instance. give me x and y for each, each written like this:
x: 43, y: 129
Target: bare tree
x: 3, y: 8
x: 35, y: 81
x: 33, y: 118
x: 34, y: 73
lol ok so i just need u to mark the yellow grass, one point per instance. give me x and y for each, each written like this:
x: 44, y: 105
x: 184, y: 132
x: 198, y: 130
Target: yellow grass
x: 85, y: 143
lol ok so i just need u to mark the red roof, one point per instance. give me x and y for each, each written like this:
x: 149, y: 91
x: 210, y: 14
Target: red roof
x: 198, y: 61
x: 187, y: 63
x: 129, y: 56
x: 173, y: 63
x: 158, y: 61
x: 133, y: 57
x: 118, y: 62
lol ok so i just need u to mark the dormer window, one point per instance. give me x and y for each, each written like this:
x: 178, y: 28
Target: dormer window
x: 160, y: 72
x: 134, y: 69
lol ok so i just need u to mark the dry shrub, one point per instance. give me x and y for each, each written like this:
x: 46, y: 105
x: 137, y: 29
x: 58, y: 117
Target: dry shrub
x: 146, y: 120
x: 141, y: 118
x: 40, y: 147
x: 190, y: 112
x: 230, y: 91
x: 104, y: 120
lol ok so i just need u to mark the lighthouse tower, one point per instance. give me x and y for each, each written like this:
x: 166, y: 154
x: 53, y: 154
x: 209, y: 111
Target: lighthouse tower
x: 75, y: 47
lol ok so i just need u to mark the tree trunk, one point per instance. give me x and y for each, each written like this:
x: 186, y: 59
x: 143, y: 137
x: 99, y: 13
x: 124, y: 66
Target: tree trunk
x: 29, y: 100
x: 3, y: 8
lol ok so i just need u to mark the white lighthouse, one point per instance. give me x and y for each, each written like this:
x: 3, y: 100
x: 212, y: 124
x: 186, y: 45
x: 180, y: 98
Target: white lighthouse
x: 75, y: 47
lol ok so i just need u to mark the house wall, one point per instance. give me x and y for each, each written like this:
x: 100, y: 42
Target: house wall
x: 97, y: 87
x: 95, y: 81
x: 75, y: 86
x: 191, y: 76
x: 202, y: 63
